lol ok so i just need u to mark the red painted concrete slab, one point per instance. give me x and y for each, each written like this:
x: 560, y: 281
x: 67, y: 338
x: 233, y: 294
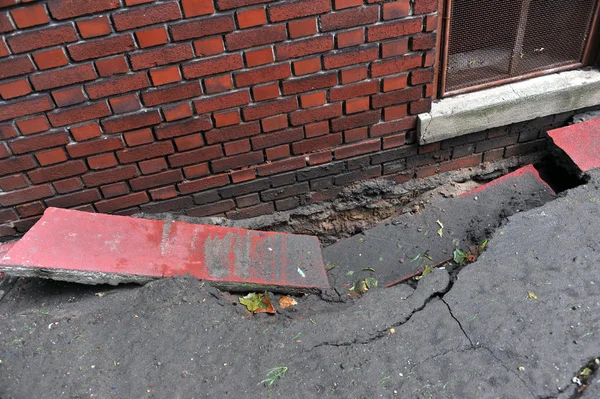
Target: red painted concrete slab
x: 3, y: 250
x: 511, y: 178
x: 581, y: 142
x: 96, y: 248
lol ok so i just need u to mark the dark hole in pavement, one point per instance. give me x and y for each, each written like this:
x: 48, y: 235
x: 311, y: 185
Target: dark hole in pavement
x: 558, y: 176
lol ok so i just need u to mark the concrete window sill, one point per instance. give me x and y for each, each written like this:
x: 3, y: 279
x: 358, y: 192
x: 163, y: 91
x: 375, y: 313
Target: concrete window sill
x: 511, y: 103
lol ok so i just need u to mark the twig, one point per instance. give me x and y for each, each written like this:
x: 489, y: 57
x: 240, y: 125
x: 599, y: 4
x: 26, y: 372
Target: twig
x: 417, y: 273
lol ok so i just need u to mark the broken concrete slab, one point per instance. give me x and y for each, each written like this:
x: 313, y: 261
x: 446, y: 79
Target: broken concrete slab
x: 92, y: 248
x: 513, y: 179
x: 581, y: 142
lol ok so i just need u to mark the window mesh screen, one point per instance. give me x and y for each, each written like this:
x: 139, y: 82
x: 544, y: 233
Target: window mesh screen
x: 493, y: 40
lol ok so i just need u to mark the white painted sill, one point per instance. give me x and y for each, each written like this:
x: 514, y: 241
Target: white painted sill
x: 511, y: 103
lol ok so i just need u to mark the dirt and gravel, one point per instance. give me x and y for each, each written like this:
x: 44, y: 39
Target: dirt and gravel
x: 520, y: 322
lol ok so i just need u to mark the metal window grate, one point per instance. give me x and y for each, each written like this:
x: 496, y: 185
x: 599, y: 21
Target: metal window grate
x: 491, y: 41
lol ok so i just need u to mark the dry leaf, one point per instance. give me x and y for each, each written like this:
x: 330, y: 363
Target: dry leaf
x: 287, y: 301
x: 531, y: 295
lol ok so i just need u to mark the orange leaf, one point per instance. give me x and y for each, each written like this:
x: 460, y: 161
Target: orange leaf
x: 287, y: 301
x: 268, y: 308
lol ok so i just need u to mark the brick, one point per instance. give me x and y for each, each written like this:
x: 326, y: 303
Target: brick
x: 278, y: 138
x: 149, y: 15
x: 7, y: 131
x: 394, y: 154
x: 253, y: 211
x: 145, y: 152
x: 70, y: 96
x: 163, y: 193
x: 270, y: 108
x: 224, y: 63
x: 396, y: 140
x: 229, y: 4
x: 301, y: 48
x: 420, y: 106
x: 171, y: 93
x: 316, y: 129
x: 265, y: 92
x: 112, y: 66
x: 15, y: 66
x: 302, y: 28
x: 313, y: 99
x: 368, y: 173
x: 395, y: 65
x: 56, y: 155
x: 74, y: 199
x: 63, y: 77
x: 284, y: 192
x: 425, y: 6
x: 496, y: 143
x: 93, y: 179
x: 304, y: 67
x: 183, y: 128
x: 275, y: 153
x: 353, y: 91
x: 351, y: 56
x: 86, y: 132
x: 274, y: 123
x: 6, y: 24
x: 524, y: 148
x: 129, y: 122
x: 123, y: 202
x: 395, y: 83
x: 218, y: 84
x: 341, y: 4
x: 177, y: 112
x: 357, y: 105
x: 211, y: 46
x: 396, y: 126
x: 211, y: 209
x: 103, y: 161
x: 247, y: 200
x: 201, y: 28
x: 391, y: 30
x: 421, y: 76
x: 18, y: 108
x: 206, y: 183
x: 57, y: 172
x: 394, y: 47
x: 232, y: 133
x: 315, y: 114
x: 195, y: 156
x: 174, y: 204
x: 191, y: 172
x: 4, y: 151
x: 94, y: 147
x: 236, y: 147
x: 256, y: 37
x: 38, y: 142
x: 350, y: 38
x: 165, y: 75
x: 117, y: 85
x: 16, y: 88
x: 32, y: 15
x: 114, y: 190
x: 459, y: 163
x: 397, y: 9
x: 13, y: 182
x: 396, y: 97
x: 26, y: 195
x: 124, y: 104
x: 189, y: 142
x: 153, y: 165
x: 259, y: 57
x: 227, y: 118
x: 79, y: 113
x: 298, y: 9
x: 156, y: 180
x: 229, y: 100
x: 237, y: 161
x: 283, y: 165
x: 40, y: 38
x: 319, y: 143
x: 243, y: 175
x: 94, y: 27
x: 251, y: 18
x: 161, y: 56
x: 65, y: 9
x: 358, y: 134
x: 244, y: 188
x: 349, y: 18
x: 351, y: 75
x: 395, y: 112
x: 101, y: 47
x: 152, y: 37
x: 429, y: 59
x: 357, y: 149
x: 31, y: 209
x: 353, y: 121
x: 194, y: 8
x: 295, y: 86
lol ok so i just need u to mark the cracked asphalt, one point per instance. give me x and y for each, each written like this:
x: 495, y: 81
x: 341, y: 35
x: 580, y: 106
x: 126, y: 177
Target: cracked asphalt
x: 520, y: 322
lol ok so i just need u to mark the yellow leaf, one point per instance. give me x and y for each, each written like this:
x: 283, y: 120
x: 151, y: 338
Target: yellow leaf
x: 287, y: 301
x: 531, y: 295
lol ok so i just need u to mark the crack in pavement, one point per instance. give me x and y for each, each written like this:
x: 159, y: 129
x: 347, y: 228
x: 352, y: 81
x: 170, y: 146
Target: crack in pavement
x: 501, y: 363
x: 457, y: 321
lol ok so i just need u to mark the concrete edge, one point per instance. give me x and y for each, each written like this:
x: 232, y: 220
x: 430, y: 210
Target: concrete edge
x: 507, y: 104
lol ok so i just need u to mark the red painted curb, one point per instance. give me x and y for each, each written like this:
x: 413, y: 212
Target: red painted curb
x: 139, y: 250
x: 581, y: 142
x: 525, y: 170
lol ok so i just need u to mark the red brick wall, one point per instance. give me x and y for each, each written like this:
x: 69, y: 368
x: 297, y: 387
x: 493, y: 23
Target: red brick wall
x: 220, y: 107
